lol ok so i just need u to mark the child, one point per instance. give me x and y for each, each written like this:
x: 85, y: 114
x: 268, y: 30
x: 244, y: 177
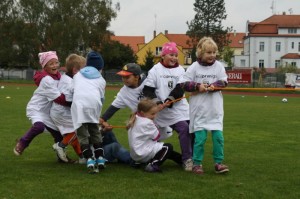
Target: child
x: 61, y: 115
x: 89, y: 88
x: 113, y: 149
x: 143, y: 138
x: 38, y: 108
x: 206, y: 105
x: 161, y: 84
x: 130, y: 95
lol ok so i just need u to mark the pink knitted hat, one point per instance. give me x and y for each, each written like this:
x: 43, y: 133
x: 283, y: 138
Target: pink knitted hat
x: 47, y: 56
x: 169, y: 48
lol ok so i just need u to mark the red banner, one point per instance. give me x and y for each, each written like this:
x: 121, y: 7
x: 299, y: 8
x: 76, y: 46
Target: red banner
x: 239, y: 76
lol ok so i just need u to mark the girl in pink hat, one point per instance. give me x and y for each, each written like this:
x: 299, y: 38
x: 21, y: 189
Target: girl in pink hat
x: 162, y: 85
x: 38, y: 108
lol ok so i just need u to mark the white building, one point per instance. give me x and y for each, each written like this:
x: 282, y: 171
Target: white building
x: 270, y: 43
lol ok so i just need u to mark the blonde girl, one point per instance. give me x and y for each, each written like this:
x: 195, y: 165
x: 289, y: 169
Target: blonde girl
x: 143, y: 137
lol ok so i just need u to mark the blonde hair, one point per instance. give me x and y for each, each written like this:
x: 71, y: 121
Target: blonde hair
x: 145, y: 105
x: 204, y: 44
x: 74, y: 61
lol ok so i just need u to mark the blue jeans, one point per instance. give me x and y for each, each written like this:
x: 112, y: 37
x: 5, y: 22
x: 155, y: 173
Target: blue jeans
x: 114, y: 151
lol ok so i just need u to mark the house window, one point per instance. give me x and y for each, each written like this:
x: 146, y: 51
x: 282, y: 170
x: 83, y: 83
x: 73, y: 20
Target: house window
x: 158, y: 51
x: 261, y: 46
x: 299, y: 46
x: 277, y: 47
x: 292, y: 45
x: 293, y: 64
x: 292, y: 30
x: 243, y: 63
x: 277, y: 63
x: 261, y: 63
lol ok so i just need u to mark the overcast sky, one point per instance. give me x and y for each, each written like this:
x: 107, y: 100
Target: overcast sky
x: 141, y: 17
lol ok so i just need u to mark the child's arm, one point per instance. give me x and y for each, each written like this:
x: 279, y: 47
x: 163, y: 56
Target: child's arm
x: 176, y: 93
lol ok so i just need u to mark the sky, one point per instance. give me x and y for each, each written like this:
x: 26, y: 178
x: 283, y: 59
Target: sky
x: 141, y: 18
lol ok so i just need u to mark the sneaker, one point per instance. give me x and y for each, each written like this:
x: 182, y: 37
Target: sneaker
x: 152, y: 168
x: 221, y: 168
x: 100, y: 162
x: 91, y: 165
x: 60, y: 151
x: 19, y: 148
x: 198, y: 169
x: 188, y: 165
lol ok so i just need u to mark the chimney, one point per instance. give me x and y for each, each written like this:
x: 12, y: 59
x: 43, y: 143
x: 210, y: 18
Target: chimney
x: 234, y: 33
x: 283, y: 13
x: 154, y: 34
x: 166, y: 32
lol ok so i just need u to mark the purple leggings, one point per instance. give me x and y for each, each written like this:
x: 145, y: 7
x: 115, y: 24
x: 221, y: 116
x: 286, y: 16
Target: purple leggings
x: 182, y: 128
x: 37, y: 129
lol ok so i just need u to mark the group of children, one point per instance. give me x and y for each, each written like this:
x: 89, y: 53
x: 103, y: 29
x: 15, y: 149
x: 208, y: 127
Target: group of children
x: 69, y: 107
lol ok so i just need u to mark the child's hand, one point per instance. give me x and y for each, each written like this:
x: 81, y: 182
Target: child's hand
x: 203, y: 88
x: 211, y: 88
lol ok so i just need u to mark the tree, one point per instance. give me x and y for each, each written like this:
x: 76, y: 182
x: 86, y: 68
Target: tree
x: 116, y: 55
x: 288, y: 68
x: 149, y: 60
x: 66, y: 26
x: 208, y: 22
x: 227, y: 55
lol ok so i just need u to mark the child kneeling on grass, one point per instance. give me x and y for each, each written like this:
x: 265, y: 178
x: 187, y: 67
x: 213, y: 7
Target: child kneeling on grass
x: 143, y: 137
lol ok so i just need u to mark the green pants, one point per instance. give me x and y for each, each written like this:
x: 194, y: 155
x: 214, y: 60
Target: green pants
x: 218, y: 146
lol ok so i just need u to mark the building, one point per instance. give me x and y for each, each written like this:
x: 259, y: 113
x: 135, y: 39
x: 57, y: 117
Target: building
x: 184, y: 45
x: 271, y: 43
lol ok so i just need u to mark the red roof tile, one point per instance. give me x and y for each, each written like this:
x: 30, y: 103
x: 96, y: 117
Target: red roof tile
x: 291, y: 56
x: 181, y: 40
x: 236, y: 40
x: 271, y: 24
x: 132, y: 41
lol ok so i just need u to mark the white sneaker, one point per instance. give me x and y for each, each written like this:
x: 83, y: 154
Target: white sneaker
x: 60, y: 151
x: 188, y: 165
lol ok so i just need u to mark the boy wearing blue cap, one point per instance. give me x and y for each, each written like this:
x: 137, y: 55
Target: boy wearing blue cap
x: 89, y: 89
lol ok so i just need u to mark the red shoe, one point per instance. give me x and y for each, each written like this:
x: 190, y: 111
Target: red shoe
x: 221, y: 168
x: 198, y: 169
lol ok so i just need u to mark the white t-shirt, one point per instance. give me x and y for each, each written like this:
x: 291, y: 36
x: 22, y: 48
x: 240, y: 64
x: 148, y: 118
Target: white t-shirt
x: 206, y: 109
x: 164, y: 80
x: 38, y: 108
x: 86, y: 106
x: 61, y: 115
x: 129, y: 97
x: 142, y: 139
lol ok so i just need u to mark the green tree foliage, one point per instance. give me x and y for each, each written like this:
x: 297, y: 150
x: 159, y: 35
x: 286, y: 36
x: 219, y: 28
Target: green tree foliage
x: 116, y: 55
x: 287, y: 69
x: 66, y: 26
x: 208, y: 22
x: 149, y: 60
x: 228, y: 55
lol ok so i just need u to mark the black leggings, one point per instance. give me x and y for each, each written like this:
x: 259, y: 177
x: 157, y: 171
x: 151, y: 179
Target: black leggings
x: 166, y: 152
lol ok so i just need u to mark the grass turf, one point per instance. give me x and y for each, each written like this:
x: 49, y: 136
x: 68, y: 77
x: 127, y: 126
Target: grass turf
x: 261, y: 149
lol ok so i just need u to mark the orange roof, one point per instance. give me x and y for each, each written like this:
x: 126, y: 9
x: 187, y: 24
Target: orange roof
x: 236, y: 40
x: 270, y: 25
x: 291, y: 21
x: 181, y: 40
x: 132, y: 41
x: 291, y: 56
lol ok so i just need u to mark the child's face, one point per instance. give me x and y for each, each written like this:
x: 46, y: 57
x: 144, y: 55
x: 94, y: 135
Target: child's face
x: 151, y: 114
x: 131, y: 80
x: 52, y: 66
x: 170, y: 59
x: 209, y: 56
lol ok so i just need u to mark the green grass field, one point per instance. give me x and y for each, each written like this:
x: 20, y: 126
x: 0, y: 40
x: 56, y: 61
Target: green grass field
x: 261, y: 148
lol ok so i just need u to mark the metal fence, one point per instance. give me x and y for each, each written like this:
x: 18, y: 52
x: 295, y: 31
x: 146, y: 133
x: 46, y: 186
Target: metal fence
x: 271, y: 80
